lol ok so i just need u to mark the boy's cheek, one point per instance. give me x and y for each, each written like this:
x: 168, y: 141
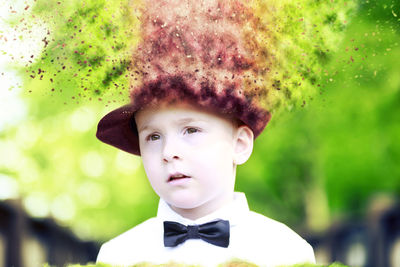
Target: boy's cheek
x: 220, y: 148
x: 152, y: 150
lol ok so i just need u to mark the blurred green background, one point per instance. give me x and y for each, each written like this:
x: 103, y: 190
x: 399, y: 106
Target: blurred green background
x: 312, y: 165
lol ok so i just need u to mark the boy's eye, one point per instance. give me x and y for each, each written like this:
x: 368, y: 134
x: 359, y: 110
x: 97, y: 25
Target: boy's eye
x: 191, y: 130
x: 153, y: 137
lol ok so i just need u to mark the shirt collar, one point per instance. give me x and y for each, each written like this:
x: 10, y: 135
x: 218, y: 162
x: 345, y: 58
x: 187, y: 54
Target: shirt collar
x: 233, y: 212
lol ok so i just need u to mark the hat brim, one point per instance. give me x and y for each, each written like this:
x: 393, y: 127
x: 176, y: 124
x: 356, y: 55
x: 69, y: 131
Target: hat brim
x: 118, y: 128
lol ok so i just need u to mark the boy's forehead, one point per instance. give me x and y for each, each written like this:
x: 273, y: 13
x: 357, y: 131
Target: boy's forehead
x: 178, y: 108
x: 180, y: 112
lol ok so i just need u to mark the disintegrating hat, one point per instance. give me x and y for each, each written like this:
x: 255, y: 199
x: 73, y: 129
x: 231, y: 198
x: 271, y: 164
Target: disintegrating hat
x: 246, y: 59
x: 203, y: 52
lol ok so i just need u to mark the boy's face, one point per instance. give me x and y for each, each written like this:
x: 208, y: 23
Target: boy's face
x: 187, y: 154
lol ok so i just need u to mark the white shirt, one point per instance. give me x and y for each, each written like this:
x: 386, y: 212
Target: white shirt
x: 253, y: 238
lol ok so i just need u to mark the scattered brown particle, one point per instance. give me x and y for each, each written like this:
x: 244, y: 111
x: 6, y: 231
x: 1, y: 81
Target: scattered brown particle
x: 46, y: 42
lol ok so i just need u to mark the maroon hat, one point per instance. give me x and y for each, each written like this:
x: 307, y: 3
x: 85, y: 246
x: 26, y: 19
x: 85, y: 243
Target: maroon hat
x: 203, y: 52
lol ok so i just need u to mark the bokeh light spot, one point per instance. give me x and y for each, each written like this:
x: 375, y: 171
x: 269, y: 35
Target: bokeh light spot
x: 92, y: 164
x: 356, y: 255
x: 8, y: 187
x: 82, y: 120
x: 63, y: 208
x: 27, y: 135
x: 10, y: 155
x: 29, y: 171
x: 37, y: 204
x: 13, y: 109
x: 395, y: 253
x: 126, y: 163
x: 93, y: 194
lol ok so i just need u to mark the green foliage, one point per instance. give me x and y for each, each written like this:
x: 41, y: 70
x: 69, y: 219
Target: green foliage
x: 330, y: 159
x: 299, y: 39
x: 87, y: 49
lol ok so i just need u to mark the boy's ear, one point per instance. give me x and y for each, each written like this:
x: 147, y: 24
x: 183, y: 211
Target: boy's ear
x: 243, y: 144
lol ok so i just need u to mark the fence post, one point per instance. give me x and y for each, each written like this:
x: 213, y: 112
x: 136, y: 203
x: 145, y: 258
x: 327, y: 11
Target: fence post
x: 13, y: 223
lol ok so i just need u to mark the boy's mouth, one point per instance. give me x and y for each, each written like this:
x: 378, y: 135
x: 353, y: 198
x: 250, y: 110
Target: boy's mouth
x: 179, y: 176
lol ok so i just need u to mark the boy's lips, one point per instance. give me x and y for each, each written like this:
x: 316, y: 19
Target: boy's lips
x: 177, y: 176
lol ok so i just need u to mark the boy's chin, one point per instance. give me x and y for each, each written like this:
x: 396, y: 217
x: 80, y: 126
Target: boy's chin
x: 191, y: 206
x: 184, y: 202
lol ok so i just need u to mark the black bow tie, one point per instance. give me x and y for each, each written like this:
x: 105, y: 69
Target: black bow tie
x: 216, y: 233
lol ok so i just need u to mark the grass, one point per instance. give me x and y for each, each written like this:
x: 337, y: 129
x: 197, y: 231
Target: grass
x: 234, y: 263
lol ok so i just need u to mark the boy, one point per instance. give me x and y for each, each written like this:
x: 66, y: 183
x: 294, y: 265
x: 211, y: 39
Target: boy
x: 193, y: 119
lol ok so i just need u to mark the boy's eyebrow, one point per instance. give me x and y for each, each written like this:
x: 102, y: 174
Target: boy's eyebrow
x: 186, y: 120
x: 178, y: 122
x: 189, y: 120
x: 143, y: 128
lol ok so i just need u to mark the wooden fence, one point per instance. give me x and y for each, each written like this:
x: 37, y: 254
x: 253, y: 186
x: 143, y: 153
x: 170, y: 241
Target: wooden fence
x: 373, y: 241
x: 29, y: 242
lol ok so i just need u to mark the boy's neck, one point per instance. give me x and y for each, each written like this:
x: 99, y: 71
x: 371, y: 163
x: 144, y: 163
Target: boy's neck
x: 205, y: 209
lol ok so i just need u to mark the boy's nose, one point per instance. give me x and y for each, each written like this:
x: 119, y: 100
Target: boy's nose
x: 169, y: 159
x: 170, y: 150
